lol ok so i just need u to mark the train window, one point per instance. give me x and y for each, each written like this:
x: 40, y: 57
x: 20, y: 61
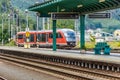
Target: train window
x: 58, y: 35
x: 20, y: 36
x: 70, y: 34
x: 31, y: 37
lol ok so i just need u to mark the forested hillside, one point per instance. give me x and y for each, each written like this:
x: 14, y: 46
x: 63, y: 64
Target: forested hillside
x: 90, y: 23
x: 13, y: 18
x: 24, y: 4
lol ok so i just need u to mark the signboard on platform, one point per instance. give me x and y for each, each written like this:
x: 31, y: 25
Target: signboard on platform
x: 99, y: 15
x: 27, y: 34
x: 65, y: 16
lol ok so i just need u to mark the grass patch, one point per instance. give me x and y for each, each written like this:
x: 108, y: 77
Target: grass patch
x: 114, y: 44
x: 88, y: 45
x: 11, y: 43
x: 91, y: 45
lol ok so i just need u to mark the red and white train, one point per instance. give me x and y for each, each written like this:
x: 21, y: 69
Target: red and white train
x: 44, y: 38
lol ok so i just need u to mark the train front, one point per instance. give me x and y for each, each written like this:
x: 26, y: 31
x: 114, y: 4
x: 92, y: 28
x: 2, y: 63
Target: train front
x: 70, y: 37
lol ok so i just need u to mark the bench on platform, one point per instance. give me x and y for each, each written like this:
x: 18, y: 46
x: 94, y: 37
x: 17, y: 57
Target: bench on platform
x: 102, y: 46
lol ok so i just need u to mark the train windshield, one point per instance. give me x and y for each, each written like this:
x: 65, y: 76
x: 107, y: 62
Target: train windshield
x: 20, y: 36
x: 70, y: 34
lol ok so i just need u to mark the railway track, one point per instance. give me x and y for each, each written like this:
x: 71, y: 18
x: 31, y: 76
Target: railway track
x: 1, y: 78
x: 61, y: 70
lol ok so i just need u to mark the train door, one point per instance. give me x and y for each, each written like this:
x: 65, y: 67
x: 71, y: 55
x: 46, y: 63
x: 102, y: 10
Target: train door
x: 24, y: 37
x: 50, y: 38
x: 43, y: 37
x: 59, y: 37
x: 46, y: 37
x: 32, y: 37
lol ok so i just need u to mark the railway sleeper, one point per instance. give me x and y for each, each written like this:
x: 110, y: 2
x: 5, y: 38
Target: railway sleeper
x: 63, y: 71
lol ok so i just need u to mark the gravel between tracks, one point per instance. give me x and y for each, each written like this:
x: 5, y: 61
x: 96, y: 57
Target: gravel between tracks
x: 13, y: 72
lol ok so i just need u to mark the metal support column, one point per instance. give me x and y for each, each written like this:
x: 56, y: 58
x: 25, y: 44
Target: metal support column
x: 82, y: 31
x: 54, y: 35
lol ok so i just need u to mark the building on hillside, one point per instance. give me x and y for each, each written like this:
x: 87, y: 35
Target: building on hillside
x: 99, y: 35
x: 117, y: 34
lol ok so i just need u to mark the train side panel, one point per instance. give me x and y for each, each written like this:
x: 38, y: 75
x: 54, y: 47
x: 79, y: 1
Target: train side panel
x: 60, y: 39
x: 21, y: 39
x: 64, y: 37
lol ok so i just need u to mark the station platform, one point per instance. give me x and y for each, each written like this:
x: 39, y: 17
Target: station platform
x: 62, y: 53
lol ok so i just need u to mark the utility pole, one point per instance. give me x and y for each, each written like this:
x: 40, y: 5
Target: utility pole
x: 9, y: 27
x: 2, y: 30
x: 17, y: 20
x: 37, y: 14
x: 48, y: 23
x: 43, y: 24
x: 27, y: 28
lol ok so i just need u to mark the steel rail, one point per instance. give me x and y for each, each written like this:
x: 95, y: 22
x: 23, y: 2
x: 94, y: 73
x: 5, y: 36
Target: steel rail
x: 61, y: 72
x: 1, y: 78
x: 91, y: 74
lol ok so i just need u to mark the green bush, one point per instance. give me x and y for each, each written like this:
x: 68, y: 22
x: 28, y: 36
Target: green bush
x: 11, y: 43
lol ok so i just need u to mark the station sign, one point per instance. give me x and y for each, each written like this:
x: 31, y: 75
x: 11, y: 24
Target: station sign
x: 99, y: 15
x: 64, y: 16
x: 27, y: 34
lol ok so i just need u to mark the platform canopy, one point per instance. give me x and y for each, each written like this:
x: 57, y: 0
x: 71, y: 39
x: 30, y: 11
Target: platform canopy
x: 79, y: 6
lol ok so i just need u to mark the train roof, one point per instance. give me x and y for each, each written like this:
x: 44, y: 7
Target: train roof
x: 67, y: 30
x: 63, y: 30
x: 25, y: 32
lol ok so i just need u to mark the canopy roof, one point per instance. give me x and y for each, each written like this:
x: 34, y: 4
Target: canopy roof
x: 79, y: 6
